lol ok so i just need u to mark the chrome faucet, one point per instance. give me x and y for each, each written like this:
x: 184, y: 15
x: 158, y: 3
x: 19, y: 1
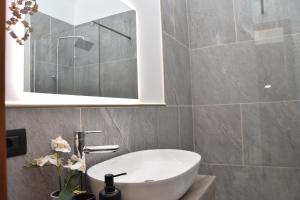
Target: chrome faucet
x: 80, y: 148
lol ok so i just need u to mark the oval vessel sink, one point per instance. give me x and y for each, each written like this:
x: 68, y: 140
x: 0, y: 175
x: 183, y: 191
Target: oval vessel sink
x: 151, y: 174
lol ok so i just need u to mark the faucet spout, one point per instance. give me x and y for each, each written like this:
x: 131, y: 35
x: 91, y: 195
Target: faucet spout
x: 80, y: 147
x: 101, y: 149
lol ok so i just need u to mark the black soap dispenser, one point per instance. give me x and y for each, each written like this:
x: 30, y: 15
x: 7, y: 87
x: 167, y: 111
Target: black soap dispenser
x: 110, y: 192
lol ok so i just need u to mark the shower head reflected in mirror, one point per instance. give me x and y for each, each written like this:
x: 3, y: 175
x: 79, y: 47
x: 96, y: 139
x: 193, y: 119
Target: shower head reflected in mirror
x: 84, y: 44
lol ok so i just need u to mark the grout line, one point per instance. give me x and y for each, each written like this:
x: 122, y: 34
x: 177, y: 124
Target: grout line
x: 174, y: 31
x: 179, y: 128
x: 192, y: 100
x: 118, y: 60
x: 173, y: 15
x: 253, y: 166
x: 80, y: 119
x: 242, y: 134
x: 108, y: 62
x: 188, y: 22
x: 190, y: 71
x: 194, y: 138
x: 50, y: 24
x: 87, y: 65
x: 245, y: 41
x: 101, y: 70
x: 187, y: 106
x: 234, y: 19
x: 249, y: 103
x: 51, y: 63
x: 181, y: 44
x: 222, y: 45
x: 74, y: 60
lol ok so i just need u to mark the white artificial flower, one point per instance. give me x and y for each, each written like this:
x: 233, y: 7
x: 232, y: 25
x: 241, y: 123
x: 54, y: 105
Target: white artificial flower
x: 60, y: 145
x: 51, y: 159
x: 76, y: 163
x: 41, y: 161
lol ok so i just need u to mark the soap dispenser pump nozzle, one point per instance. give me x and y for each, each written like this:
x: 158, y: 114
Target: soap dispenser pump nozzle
x: 109, y: 182
x: 110, y: 192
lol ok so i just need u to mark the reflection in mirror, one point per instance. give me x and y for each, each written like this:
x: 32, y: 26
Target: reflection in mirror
x: 81, y: 47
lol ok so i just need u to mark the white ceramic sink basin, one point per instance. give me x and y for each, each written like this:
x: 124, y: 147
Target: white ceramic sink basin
x: 151, y: 174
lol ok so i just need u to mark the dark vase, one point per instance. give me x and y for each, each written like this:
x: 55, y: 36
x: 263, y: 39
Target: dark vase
x: 84, y: 196
x: 54, y: 195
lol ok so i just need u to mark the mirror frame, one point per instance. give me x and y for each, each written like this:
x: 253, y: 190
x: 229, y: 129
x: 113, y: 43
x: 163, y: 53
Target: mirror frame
x: 150, y: 67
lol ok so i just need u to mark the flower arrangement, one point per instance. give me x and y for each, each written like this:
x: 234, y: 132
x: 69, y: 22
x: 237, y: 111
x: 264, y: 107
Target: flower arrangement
x: 68, y: 184
x: 19, y: 9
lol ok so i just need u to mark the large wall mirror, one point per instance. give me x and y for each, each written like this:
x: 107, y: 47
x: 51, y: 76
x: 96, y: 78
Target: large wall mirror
x: 88, y: 52
x: 82, y: 50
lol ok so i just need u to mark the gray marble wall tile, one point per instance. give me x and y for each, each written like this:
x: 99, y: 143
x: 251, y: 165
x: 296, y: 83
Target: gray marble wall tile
x: 133, y: 129
x: 144, y: 130
x: 41, y: 125
x: 91, y: 32
x: 120, y: 79
x: 217, y: 132
x: 59, y: 26
x: 240, y: 73
x: 177, y: 72
x: 168, y: 13
x: 248, y: 183
x: 224, y: 74
x: 45, y: 81
x: 167, y: 128
x: 279, y: 15
x: 87, y: 80
x: 41, y: 25
x: 211, y: 22
x: 271, y: 134
x: 186, y: 128
x: 65, y: 79
x: 292, y: 61
x: 114, y: 46
x: 175, y: 20
x: 181, y: 23
x: 139, y: 125
x: 275, y: 67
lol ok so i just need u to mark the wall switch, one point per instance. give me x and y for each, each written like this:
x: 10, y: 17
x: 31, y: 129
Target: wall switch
x: 16, y: 142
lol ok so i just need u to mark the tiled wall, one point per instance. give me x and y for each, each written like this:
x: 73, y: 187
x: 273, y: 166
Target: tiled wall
x: 133, y: 128
x: 246, y: 131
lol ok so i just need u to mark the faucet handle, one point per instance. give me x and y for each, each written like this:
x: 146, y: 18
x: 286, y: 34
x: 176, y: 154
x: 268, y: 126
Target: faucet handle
x: 86, y: 132
x: 89, y: 132
x: 101, y: 149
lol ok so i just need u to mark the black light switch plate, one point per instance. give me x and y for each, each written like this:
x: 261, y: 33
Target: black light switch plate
x: 16, y: 142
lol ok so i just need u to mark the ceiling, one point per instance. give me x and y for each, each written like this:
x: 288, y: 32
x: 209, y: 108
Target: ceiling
x: 80, y: 11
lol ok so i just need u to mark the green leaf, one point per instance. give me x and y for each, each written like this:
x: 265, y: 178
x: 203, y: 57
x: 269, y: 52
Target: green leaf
x: 72, y: 182
x: 65, y: 195
x: 70, y: 185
